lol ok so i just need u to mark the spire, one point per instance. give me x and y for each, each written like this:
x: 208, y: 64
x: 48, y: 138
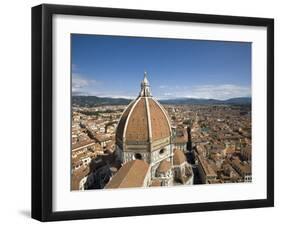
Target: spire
x: 145, y: 88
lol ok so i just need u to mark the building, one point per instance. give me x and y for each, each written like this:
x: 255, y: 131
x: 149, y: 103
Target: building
x: 182, y: 170
x: 228, y: 174
x: 78, y: 178
x: 181, y: 138
x: 99, y: 172
x: 243, y: 168
x: 246, y: 153
x: 144, y: 138
x: 207, y: 173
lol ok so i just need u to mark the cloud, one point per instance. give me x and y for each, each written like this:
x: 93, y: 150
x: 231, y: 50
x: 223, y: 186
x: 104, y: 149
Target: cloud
x: 168, y: 94
x: 80, y: 84
x: 221, y: 91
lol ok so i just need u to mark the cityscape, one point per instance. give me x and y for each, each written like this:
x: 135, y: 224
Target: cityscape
x: 135, y: 139
x: 212, y: 142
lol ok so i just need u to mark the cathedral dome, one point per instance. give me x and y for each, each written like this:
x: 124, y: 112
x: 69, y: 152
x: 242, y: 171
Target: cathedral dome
x: 144, y: 120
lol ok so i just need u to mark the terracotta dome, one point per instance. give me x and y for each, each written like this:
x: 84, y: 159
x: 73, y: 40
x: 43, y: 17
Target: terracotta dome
x: 164, y: 166
x: 179, y: 157
x: 144, y: 120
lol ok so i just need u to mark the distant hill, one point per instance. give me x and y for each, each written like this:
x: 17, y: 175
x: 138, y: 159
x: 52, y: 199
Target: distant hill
x: 232, y: 101
x: 91, y: 101
x: 240, y: 100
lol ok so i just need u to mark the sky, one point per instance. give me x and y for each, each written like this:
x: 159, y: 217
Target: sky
x: 113, y: 66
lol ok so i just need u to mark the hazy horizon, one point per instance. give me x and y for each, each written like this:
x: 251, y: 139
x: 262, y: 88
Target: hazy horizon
x: 175, y: 98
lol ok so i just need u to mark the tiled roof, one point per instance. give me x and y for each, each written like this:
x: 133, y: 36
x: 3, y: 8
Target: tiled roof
x: 77, y: 176
x: 132, y: 174
x: 144, y: 120
x: 179, y: 157
x: 164, y: 166
x: 159, y: 123
x: 122, y: 121
x: 137, y: 126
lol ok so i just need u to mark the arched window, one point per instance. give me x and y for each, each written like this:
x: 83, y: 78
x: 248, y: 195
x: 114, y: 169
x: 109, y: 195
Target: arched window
x: 138, y: 156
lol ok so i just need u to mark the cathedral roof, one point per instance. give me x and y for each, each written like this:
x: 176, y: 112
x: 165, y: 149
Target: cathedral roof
x: 131, y: 174
x: 164, y: 166
x: 179, y: 157
x: 144, y: 120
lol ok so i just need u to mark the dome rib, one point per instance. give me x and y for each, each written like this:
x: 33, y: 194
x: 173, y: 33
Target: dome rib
x: 148, y: 120
x: 122, y: 121
x: 127, y: 119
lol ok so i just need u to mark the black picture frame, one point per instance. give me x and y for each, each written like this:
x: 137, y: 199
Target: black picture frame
x: 42, y: 108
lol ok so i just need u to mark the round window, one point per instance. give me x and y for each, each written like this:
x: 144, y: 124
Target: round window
x: 138, y: 156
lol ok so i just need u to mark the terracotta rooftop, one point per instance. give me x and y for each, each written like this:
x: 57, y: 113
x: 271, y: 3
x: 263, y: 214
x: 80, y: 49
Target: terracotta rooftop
x: 159, y: 122
x: 142, y: 117
x: 229, y: 150
x: 179, y: 157
x: 181, y: 135
x: 243, y: 166
x: 208, y: 170
x: 122, y: 121
x: 77, y: 176
x: 82, y: 144
x: 164, y: 166
x: 132, y: 174
x: 137, y: 125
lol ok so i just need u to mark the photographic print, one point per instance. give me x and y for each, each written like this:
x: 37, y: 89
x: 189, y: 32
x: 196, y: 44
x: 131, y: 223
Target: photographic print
x: 152, y: 112
x: 130, y: 106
